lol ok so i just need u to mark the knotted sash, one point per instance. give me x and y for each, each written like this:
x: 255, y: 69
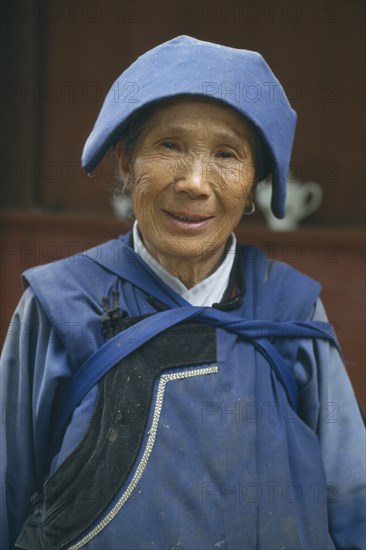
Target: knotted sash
x: 131, y: 268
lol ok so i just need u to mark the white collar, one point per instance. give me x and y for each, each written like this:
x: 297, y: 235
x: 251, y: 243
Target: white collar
x: 205, y: 293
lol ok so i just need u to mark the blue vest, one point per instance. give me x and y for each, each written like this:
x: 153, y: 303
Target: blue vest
x: 189, y: 440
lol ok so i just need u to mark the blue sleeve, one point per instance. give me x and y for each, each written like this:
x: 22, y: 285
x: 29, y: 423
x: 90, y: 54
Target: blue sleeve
x: 334, y: 414
x: 32, y: 362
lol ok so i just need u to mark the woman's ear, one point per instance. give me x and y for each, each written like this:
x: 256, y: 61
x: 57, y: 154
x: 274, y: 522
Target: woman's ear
x: 123, y: 161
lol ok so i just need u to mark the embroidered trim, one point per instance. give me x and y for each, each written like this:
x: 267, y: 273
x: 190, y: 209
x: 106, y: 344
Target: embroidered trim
x: 164, y: 379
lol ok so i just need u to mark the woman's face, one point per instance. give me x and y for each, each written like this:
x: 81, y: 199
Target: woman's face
x: 190, y: 174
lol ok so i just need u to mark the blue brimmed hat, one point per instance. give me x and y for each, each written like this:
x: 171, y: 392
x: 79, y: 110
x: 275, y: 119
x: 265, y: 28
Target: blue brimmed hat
x: 185, y: 65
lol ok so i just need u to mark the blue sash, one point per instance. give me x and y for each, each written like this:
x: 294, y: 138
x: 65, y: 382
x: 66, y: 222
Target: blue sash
x: 136, y: 272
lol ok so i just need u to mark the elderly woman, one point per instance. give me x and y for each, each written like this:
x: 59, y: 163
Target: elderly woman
x: 172, y: 388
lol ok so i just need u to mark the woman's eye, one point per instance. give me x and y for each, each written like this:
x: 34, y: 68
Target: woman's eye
x: 169, y: 145
x: 226, y: 154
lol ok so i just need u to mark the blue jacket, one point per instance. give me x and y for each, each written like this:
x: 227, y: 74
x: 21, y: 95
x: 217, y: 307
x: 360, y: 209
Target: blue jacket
x: 189, y: 440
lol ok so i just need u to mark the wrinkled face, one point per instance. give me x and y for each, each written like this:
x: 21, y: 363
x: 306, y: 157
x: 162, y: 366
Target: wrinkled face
x: 190, y: 173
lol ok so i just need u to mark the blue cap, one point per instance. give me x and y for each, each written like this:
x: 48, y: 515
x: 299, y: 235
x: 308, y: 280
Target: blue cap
x: 185, y: 65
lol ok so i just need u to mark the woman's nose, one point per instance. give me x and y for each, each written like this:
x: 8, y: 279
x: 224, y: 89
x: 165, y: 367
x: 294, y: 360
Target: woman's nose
x: 194, y: 179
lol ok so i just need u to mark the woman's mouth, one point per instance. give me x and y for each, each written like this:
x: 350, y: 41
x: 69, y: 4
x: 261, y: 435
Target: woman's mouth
x: 186, y: 220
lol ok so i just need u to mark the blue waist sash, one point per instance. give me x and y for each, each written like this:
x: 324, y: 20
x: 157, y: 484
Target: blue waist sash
x: 136, y: 272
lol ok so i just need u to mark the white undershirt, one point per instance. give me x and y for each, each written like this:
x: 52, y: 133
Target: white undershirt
x: 207, y: 292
